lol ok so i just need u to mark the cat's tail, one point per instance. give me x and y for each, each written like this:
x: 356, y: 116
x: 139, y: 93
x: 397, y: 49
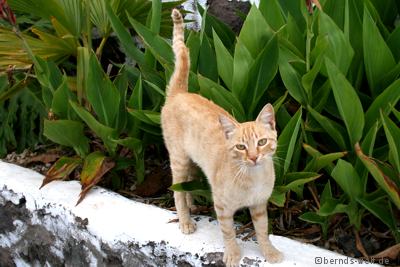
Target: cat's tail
x: 179, y: 79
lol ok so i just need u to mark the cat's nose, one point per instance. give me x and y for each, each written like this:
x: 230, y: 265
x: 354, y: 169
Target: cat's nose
x: 253, y: 158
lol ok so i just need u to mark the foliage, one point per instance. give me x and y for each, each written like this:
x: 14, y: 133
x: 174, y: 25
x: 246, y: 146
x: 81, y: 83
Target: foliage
x: 86, y: 107
x: 339, y: 120
x: 20, y: 114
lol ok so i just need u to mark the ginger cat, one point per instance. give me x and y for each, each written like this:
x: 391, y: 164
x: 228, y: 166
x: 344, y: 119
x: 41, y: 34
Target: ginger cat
x: 235, y: 157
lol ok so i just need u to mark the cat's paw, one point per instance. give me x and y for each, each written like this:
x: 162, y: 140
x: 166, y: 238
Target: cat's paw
x: 187, y: 227
x: 232, y: 256
x: 272, y: 255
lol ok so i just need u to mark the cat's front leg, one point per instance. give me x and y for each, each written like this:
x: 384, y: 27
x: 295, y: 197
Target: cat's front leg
x: 232, y: 251
x: 260, y: 221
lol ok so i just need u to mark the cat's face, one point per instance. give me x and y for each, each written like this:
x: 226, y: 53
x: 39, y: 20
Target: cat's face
x: 250, y: 143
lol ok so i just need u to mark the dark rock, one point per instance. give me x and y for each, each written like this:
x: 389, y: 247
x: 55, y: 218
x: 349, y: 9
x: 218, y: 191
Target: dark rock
x: 10, y: 212
x: 6, y: 259
x: 227, y: 12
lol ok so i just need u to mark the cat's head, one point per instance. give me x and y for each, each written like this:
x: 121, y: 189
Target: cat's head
x: 251, y: 143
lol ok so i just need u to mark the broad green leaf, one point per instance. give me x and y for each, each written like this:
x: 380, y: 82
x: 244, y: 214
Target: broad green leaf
x: 339, y: 49
x: 100, y: 91
x: 210, y: 24
x: 147, y: 116
x: 67, y: 133
x: 381, y: 211
x: 308, y: 79
x: 295, y: 179
x: 291, y: 78
x: 224, y: 61
x: 286, y: 143
x: 383, y: 102
x: 123, y: 35
x: 378, y: 58
x: 95, y: 165
x: 60, y: 106
x: 332, y: 128
x: 132, y: 143
x: 196, y: 187
x: 242, y: 61
x: 347, y: 101
x: 272, y: 13
x: 348, y: 179
x: 106, y: 133
x: 63, y: 167
x: 207, y: 60
x: 277, y: 198
x: 221, y: 97
x: 136, y: 99
x: 321, y: 161
x: 193, y: 43
x: 313, y: 217
x: 262, y: 72
x: 255, y: 32
x: 157, y: 45
x: 393, y: 42
x: 392, y: 132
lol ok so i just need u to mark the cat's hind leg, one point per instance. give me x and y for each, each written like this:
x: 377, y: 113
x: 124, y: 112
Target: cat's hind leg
x: 180, y: 167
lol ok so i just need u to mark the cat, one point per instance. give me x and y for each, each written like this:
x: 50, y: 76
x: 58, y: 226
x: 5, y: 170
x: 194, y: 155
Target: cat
x: 235, y: 157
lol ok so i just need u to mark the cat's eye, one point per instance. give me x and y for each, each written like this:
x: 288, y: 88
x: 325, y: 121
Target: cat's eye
x: 262, y: 142
x: 240, y: 147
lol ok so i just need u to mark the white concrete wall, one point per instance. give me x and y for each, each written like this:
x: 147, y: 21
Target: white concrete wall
x: 107, y: 226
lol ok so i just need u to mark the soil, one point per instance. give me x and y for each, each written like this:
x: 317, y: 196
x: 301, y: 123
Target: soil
x: 372, y: 240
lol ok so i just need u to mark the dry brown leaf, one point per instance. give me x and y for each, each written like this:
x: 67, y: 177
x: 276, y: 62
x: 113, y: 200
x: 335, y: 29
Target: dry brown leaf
x: 392, y: 253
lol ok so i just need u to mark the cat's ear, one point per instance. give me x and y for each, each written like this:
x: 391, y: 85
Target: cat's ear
x: 267, y: 116
x: 228, y: 125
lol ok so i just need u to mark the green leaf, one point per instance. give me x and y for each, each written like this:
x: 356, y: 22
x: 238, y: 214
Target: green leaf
x: 378, y: 58
x: 224, y: 61
x: 123, y: 35
x: 381, y: 211
x: 132, y: 143
x: 332, y: 128
x: 136, y: 99
x: 221, y: 97
x: 100, y: 91
x: 106, y: 133
x: 313, y: 217
x: 295, y: 179
x: 95, y: 165
x: 272, y: 13
x: 347, y: 101
x: 392, y: 132
x: 255, y: 32
x: 262, y: 72
x: 196, y: 187
x: 290, y: 77
x: 321, y: 161
x: 277, y: 198
x: 62, y: 94
x: 348, y: 179
x: 157, y: 45
x: 147, y: 116
x: 242, y: 61
x: 383, y: 102
x: 339, y: 49
x: 207, y: 60
x: 67, y: 133
x: 286, y: 143
x: 193, y: 43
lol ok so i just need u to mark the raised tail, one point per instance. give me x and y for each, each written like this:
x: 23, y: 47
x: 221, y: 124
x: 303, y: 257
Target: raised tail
x: 179, y: 79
